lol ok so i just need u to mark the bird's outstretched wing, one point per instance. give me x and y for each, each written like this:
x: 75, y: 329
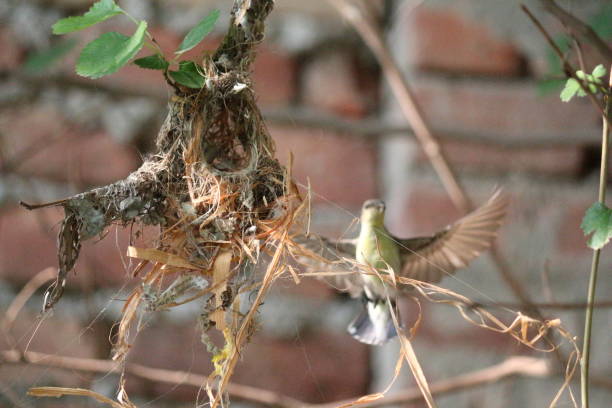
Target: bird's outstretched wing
x: 429, y: 259
x: 329, y: 260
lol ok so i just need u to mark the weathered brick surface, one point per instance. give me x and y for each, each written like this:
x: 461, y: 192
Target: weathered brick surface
x: 443, y: 40
x: 341, y: 169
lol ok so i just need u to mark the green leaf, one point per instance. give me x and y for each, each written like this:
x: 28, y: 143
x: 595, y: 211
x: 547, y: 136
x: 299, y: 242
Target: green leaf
x: 599, y: 71
x: 188, y: 75
x: 43, y: 60
x: 155, y: 61
x: 571, y: 87
x: 597, y: 221
x: 100, y: 11
x: 109, y: 52
x: 197, y: 33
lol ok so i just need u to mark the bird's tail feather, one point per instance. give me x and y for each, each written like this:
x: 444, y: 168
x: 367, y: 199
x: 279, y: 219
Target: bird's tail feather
x: 374, y: 324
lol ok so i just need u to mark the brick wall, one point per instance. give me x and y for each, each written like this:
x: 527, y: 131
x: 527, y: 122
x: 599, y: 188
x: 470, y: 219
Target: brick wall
x: 475, y: 67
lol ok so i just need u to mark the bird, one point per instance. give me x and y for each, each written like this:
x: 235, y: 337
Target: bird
x: 427, y: 259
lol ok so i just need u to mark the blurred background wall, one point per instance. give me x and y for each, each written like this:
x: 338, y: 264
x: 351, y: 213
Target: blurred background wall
x: 480, y: 71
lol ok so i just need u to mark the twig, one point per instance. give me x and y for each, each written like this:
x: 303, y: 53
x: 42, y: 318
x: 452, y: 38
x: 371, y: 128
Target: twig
x: 578, y: 28
x: 578, y: 306
x: 524, y: 366
x: 148, y: 373
x: 24, y: 294
x: 603, y: 179
x: 31, y: 207
x: 569, y: 70
x: 372, y: 36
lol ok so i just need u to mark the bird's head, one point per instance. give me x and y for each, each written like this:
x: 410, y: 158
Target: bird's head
x: 373, y: 212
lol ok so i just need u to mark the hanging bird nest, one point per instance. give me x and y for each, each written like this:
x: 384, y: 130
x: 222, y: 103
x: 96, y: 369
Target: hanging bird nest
x: 218, y: 195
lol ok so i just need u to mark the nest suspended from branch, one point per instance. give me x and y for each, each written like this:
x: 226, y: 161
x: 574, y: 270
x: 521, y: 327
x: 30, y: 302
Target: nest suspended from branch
x: 218, y: 194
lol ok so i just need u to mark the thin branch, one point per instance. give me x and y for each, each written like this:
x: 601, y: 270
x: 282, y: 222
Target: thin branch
x: 513, y: 366
x: 405, y: 97
x: 578, y: 28
x: 524, y: 366
x: 569, y: 70
x: 603, y: 179
x: 148, y: 373
x: 569, y: 306
x: 24, y: 294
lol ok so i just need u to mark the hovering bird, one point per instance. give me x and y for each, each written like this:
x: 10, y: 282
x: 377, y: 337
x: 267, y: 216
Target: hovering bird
x: 426, y: 259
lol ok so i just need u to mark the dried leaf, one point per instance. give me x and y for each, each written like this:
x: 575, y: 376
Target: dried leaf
x: 155, y: 255
x: 221, y: 272
x: 57, y: 392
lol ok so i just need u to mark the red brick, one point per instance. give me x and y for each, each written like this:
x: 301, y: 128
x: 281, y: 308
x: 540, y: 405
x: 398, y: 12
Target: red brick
x: 341, y: 169
x: 59, y: 151
x: 12, y: 54
x: 330, y: 83
x: 511, y: 110
x: 555, y: 160
x: 443, y: 40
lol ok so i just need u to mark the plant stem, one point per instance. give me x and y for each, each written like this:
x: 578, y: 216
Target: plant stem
x: 588, y: 323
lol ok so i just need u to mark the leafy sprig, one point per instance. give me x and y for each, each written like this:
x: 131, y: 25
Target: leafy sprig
x: 597, y: 221
x: 111, y: 51
x: 592, y: 83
